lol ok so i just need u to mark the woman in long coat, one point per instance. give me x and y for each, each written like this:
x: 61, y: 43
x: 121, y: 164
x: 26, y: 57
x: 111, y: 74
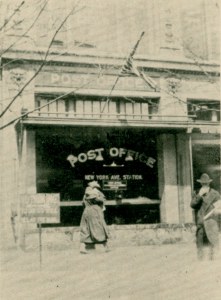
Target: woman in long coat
x: 93, y: 228
x: 207, y: 232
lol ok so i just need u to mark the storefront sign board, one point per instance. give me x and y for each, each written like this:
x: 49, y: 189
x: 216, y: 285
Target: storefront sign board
x: 92, y: 81
x: 97, y: 154
x: 112, y: 185
x: 115, y: 177
x: 40, y: 208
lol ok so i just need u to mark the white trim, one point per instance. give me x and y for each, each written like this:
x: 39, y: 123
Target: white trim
x: 202, y: 98
x: 123, y: 122
x: 133, y: 201
x: 96, y: 92
x: 205, y: 142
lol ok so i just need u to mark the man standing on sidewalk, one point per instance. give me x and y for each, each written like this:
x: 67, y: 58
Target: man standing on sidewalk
x: 207, y: 232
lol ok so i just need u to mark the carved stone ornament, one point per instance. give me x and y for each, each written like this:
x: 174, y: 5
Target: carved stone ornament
x: 168, y: 30
x: 173, y: 85
x: 18, y: 76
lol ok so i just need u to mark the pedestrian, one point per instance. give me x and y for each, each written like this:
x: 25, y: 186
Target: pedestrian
x: 95, y: 188
x: 207, y: 229
x: 93, y: 228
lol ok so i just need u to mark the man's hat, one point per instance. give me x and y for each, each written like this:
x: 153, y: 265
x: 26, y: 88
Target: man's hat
x: 204, y: 178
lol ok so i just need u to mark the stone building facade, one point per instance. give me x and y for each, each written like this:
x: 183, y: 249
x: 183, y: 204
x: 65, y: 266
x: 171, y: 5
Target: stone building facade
x: 145, y: 145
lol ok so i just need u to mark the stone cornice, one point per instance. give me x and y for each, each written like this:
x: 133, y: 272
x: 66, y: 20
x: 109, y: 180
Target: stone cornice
x: 93, y: 59
x: 206, y: 127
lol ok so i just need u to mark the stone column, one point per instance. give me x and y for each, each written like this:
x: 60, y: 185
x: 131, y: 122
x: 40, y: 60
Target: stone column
x: 20, y: 226
x: 9, y: 176
x: 167, y: 176
x: 27, y: 179
x: 184, y: 177
x: 27, y: 167
x: 31, y: 163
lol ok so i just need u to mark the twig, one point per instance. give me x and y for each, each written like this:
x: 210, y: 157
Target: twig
x: 41, y: 66
x: 108, y: 98
x: 12, y: 15
x: 42, y: 106
x: 194, y: 57
x: 30, y: 27
x: 118, y: 76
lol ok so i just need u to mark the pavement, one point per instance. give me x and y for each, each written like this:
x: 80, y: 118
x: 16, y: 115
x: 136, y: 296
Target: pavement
x: 125, y: 273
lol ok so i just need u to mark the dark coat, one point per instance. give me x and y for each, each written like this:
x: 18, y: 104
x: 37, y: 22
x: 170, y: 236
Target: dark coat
x: 202, y: 206
x: 93, y: 228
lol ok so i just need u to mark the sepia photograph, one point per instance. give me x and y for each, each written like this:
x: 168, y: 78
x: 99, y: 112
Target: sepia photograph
x: 110, y: 174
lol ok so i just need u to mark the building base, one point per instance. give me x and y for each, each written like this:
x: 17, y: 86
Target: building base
x: 62, y: 238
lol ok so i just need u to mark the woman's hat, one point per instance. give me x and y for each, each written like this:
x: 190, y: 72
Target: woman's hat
x: 204, y: 178
x: 94, y: 184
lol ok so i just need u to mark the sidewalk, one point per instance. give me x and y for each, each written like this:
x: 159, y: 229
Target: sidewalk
x: 127, y: 273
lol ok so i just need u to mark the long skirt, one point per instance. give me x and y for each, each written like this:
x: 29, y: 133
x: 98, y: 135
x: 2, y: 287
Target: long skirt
x: 93, y: 228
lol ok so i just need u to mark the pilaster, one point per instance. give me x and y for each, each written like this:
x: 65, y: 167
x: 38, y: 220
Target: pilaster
x: 184, y: 177
x: 167, y: 171
x: 31, y: 163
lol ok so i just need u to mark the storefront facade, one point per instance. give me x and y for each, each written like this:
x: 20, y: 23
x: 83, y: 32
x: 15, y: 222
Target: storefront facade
x: 142, y: 145
x: 121, y: 160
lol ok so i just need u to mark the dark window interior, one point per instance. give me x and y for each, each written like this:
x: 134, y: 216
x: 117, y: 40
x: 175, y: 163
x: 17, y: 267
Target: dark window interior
x: 119, y: 214
x: 204, y: 110
x: 206, y: 159
x: 138, y: 178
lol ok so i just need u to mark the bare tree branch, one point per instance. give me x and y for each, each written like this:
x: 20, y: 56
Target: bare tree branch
x: 54, y: 100
x: 35, y: 20
x: 12, y: 15
x: 14, y: 25
x: 42, y: 64
x: 195, y: 59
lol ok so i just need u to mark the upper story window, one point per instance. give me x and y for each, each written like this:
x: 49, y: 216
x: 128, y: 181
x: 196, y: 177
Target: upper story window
x: 205, y: 110
x: 94, y: 107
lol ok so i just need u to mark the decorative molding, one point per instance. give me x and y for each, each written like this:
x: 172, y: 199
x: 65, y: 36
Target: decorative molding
x: 173, y: 84
x: 168, y: 30
x: 18, y: 77
x: 185, y: 65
